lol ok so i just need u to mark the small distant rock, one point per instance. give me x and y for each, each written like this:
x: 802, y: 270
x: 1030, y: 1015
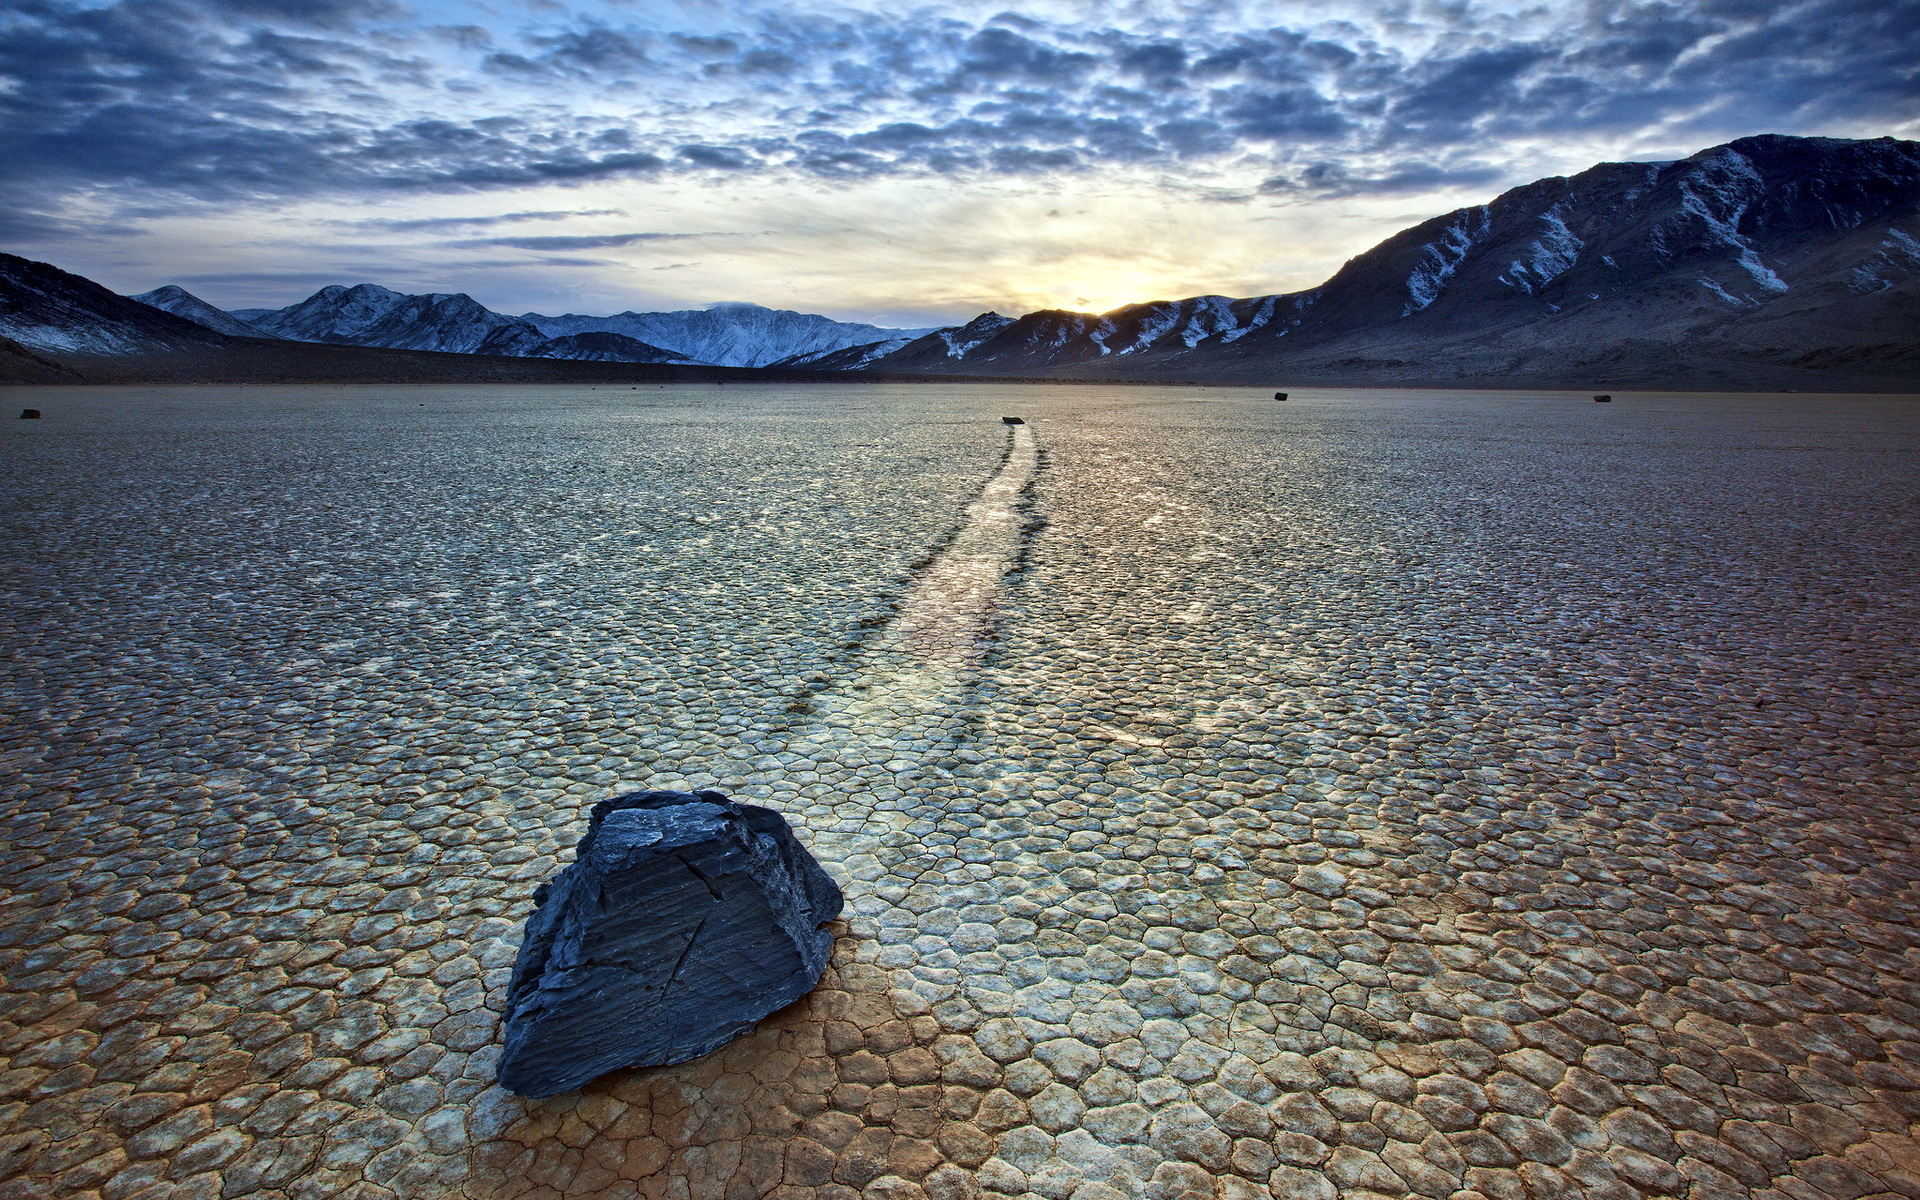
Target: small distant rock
x: 683, y: 920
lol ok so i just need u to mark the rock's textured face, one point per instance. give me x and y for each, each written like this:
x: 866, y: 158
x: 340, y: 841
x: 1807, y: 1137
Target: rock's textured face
x: 684, y: 919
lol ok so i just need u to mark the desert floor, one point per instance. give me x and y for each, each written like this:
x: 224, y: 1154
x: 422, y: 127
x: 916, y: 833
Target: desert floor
x: 1446, y: 794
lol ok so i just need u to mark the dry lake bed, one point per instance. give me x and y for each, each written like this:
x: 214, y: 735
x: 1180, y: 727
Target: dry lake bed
x: 1376, y: 794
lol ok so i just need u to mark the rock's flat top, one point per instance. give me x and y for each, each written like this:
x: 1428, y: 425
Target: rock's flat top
x: 1375, y: 794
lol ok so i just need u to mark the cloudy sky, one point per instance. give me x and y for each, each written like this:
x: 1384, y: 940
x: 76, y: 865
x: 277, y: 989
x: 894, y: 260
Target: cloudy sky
x: 876, y: 160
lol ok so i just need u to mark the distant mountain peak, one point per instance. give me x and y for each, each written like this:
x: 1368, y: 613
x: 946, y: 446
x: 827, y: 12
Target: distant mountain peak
x: 182, y: 303
x: 366, y: 314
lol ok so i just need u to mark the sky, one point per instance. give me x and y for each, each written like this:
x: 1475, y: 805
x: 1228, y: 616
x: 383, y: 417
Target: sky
x: 883, y: 161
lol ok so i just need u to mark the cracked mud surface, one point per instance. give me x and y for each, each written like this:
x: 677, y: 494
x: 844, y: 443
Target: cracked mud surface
x: 1448, y: 795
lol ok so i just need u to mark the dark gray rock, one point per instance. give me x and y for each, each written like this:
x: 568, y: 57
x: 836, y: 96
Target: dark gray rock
x: 683, y: 920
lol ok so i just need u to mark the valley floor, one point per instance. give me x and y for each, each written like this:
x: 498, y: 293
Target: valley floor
x: 1449, y: 794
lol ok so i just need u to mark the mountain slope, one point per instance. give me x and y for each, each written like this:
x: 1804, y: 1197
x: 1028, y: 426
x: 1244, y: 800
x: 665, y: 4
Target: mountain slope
x: 732, y: 335
x: 605, y: 347
x: 1770, y: 251
x: 49, y: 310
x: 844, y: 359
x: 21, y: 365
x: 182, y: 303
x: 369, y: 315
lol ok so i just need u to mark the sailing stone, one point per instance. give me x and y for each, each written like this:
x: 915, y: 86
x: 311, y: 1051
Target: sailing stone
x: 684, y: 919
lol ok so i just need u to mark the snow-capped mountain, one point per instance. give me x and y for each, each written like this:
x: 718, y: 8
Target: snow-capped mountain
x: 1796, y: 252
x: 182, y: 303
x: 370, y: 315
x: 724, y: 335
x: 46, y: 309
x: 729, y: 335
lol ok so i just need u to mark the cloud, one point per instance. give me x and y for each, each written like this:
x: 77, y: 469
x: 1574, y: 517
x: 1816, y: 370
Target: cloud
x: 587, y: 242
x: 162, y: 103
x: 1328, y: 180
x: 430, y: 223
x: 585, y: 53
x: 718, y: 157
x: 290, y: 279
x: 1450, y: 96
x: 998, y: 54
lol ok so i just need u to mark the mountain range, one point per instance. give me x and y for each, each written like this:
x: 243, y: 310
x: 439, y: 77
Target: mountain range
x: 731, y: 335
x: 369, y: 315
x: 1763, y: 257
x: 1769, y: 262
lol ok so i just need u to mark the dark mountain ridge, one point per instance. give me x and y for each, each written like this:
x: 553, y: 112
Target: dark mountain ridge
x: 48, y: 311
x: 1770, y: 252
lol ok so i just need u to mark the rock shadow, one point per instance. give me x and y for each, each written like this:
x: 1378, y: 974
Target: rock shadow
x: 834, y: 1097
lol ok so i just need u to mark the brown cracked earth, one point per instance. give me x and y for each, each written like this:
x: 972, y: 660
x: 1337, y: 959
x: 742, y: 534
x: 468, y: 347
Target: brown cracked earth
x: 1394, y: 794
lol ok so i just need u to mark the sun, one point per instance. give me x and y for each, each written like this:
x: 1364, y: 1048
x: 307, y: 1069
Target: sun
x: 1098, y: 287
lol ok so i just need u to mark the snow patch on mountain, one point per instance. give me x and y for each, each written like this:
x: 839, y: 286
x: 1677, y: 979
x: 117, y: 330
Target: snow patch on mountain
x: 1713, y: 285
x: 1441, y: 258
x: 1160, y: 319
x: 1751, y: 263
x: 1261, y: 313
x: 1547, y: 257
x: 1208, y: 316
x: 1717, y: 193
x: 974, y: 332
x: 1898, y: 257
x: 849, y: 358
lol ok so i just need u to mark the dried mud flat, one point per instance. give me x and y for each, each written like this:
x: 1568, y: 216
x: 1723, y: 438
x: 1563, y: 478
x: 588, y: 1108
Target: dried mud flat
x: 1379, y: 794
